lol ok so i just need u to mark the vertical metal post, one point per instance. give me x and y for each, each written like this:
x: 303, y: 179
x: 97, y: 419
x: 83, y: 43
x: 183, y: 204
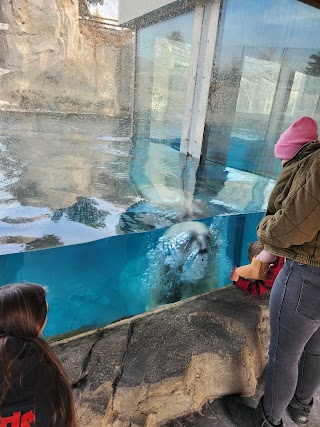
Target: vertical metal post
x: 134, y: 65
x: 3, y: 27
x: 317, y: 107
x: 199, y: 83
x: 192, y: 76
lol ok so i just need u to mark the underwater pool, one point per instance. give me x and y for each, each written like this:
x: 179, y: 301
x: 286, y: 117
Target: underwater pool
x: 93, y: 284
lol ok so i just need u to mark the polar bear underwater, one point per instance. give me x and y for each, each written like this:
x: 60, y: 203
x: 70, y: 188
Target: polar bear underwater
x: 182, y: 264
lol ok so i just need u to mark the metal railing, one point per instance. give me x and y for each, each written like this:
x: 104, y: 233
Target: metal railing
x: 104, y: 23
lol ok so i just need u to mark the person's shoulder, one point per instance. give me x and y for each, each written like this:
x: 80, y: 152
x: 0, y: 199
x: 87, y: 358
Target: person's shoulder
x: 311, y: 153
x: 313, y: 169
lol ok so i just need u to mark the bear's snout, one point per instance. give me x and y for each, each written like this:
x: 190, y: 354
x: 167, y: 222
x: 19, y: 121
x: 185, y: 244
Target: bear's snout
x: 203, y: 251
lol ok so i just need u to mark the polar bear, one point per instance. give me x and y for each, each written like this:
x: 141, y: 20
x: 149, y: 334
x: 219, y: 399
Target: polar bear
x: 182, y: 264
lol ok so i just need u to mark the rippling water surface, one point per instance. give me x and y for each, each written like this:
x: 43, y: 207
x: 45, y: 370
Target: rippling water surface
x: 67, y: 179
x: 63, y: 179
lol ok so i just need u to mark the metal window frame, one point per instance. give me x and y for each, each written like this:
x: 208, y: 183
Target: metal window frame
x: 205, y: 32
x: 204, y: 36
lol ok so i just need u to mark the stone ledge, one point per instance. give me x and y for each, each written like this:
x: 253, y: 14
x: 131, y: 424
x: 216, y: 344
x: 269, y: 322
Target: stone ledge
x: 149, y: 369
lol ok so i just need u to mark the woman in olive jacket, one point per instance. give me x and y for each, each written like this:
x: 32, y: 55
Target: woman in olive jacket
x: 291, y: 228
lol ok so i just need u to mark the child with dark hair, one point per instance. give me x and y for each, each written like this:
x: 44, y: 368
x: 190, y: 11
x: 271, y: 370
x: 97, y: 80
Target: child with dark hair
x: 34, y: 389
x: 257, y: 287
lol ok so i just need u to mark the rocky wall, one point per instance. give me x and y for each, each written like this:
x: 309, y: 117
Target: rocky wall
x: 152, y: 368
x: 53, y: 61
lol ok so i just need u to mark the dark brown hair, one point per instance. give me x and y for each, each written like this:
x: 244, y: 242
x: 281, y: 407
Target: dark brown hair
x: 254, y: 249
x: 23, y: 311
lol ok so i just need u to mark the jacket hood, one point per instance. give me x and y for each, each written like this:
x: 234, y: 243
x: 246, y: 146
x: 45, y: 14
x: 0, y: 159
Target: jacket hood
x: 26, y: 363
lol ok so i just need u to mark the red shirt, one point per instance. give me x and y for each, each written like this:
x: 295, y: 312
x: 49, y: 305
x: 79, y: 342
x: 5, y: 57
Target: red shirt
x: 18, y: 419
x: 260, y: 287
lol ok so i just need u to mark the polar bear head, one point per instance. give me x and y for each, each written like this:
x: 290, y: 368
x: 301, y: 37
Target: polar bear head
x: 181, y: 263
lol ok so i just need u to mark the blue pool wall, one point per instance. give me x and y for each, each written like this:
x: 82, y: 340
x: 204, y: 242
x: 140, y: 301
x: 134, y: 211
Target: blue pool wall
x: 93, y: 284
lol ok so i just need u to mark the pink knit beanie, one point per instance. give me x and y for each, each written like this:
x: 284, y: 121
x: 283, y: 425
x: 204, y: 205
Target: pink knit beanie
x: 296, y: 136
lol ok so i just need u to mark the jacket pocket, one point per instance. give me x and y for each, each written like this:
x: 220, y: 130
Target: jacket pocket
x: 309, y: 300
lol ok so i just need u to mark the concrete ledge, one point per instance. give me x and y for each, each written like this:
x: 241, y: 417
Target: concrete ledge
x: 149, y: 369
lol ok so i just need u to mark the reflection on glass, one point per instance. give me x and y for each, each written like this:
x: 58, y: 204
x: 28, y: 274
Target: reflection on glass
x: 62, y: 175
x: 68, y: 179
x: 163, y: 55
x: 175, y: 188
x: 265, y: 76
x: 53, y: 60
x: 85, y: 211
x: 257, y: 86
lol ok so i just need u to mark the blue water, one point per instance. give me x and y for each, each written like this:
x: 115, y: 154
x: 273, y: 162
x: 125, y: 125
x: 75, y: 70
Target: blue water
x: 93, y: 284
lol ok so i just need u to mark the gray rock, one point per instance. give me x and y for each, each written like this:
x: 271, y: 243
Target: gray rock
x: 153, y: 368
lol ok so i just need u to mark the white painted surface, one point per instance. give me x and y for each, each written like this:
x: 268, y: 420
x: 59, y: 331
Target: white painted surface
x: 131, y: 9
x: 192, y: 76
x: 199, y: 79
x: 3, y: 27
x: 208, y: 43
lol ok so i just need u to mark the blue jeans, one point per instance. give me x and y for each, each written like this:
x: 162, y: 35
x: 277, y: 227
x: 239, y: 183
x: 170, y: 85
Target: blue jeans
x: 294, y: 352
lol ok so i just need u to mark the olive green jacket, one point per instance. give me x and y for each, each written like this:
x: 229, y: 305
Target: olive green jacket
x: 291, y: 225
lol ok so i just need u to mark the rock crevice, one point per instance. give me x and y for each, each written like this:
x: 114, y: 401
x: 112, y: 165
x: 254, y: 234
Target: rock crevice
x: 84, y: 371
x: 121, y: 368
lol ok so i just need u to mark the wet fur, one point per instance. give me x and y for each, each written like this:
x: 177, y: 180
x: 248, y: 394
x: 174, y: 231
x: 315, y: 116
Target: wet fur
x: 171, y: 274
